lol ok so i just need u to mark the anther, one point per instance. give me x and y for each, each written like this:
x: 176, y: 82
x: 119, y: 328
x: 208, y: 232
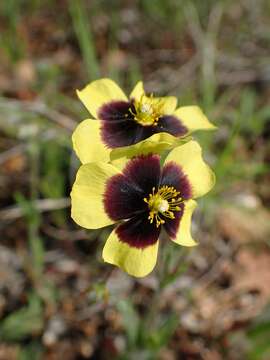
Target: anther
x: 163, y: 202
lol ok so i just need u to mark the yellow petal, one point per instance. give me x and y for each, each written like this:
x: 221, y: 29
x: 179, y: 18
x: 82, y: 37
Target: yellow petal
x: 87, y: 193
x: 199, y: 174
x: 138, y: 91
x: 183, y: 236
x: 98, y: 93
x: 157, y: 143
x: 168, y: 104
x: 136, y: 262
x: 193, y: 118
x: 88, y: 144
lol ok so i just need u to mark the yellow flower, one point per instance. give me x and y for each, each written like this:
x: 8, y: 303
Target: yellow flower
x: 121, y: 122
x: 141, y: 198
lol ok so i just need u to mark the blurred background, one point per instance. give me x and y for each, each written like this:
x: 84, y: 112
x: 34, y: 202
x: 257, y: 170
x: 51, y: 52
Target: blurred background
x: 57, y: 298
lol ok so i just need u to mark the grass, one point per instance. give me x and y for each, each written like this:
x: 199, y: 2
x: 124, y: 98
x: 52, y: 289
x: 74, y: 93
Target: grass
x: 237, y: 150
x: 81, y: 23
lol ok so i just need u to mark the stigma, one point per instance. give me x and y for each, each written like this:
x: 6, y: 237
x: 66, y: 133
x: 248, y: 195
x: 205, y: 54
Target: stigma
x: 162, y: 204
x: 147, y: 110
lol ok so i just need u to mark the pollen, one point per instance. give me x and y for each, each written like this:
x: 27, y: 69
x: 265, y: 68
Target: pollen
x: 147, y: 110
x: 162, y: 204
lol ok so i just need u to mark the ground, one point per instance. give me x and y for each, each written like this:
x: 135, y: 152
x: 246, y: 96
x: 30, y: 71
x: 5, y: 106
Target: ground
x: 57, y: 298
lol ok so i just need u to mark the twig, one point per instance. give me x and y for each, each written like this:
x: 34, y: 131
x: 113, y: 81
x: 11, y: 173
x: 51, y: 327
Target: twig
x: 15, y: 212
x: 62, y: 234
x: 42, y: 109
x: 194, y: 26
x: 237, y: 77
x: 174, y: 79
x: 16, y: 150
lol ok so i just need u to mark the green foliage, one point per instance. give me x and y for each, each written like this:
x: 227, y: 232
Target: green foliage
x: 246, y: 120
x: 31, y: 351
x: 82, y: 29
x: 35, y: 241
x: 240, y: 112
x: 162, y: 335
x: 10, y: 39
x: 141, y: 336
x: 31, y: 213
x: 24, y: 322
x: 48, y: 79
x: 152, y: 331
x: 131, y: 321
x: 54, y: 159
x: 163, y: 10
x: 259, y: 337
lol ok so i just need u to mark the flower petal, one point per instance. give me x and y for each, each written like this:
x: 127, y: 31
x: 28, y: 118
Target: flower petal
x: 122, y: 199
x: 98, y: 93
x: 172, y: 125
x: 155, y: 144
x: 172, y: 175
x: 120, y: 133
x: 193, y: 118
x: 138, y: 232
x: 119, y: 128
x: 125, y: 192
x: 88, y: 144
x: 168, y: 103
x: 136, y: 262
x: 199, y: 174
x: 137, y: 92
x: 116, y: 111
x: 182, y: 232
x: 144, y: 172
x: 87, y: 205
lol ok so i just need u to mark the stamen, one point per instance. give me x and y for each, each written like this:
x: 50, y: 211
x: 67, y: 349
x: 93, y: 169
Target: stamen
x: 165, y: 202
x: 147, y: 111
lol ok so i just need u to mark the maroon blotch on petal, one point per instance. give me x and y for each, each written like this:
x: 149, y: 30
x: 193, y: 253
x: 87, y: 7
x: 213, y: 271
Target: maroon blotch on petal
x: 171, y: 226
x: 116, y: 134
x: 116, y: 111
x: 138, y: 232
x: 144, y: 172
x: 122, y: 199
x: 171, y: 125
x: 172, y: 175
x: 118, y: 126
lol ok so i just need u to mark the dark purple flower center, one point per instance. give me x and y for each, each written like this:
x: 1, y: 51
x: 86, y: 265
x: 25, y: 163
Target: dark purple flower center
x: 145, y: 198
x: 126, y: 123
x: 163, y: 203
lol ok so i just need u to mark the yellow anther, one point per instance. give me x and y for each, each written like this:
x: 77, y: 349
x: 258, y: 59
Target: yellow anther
x: 147, y: 110
x: 163, y: 202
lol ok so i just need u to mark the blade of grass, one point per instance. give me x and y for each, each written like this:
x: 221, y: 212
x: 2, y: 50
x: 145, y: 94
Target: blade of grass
x: 32, y: 215
x: 83, y: 32
x: 10, y: 39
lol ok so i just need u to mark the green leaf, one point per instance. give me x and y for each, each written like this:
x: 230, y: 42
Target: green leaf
x: 80, y: 21
x: 24, y: 322
x: 131, y: 321
x: 32, y: 351
x: 162, y: 336
x: 259, y: 335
